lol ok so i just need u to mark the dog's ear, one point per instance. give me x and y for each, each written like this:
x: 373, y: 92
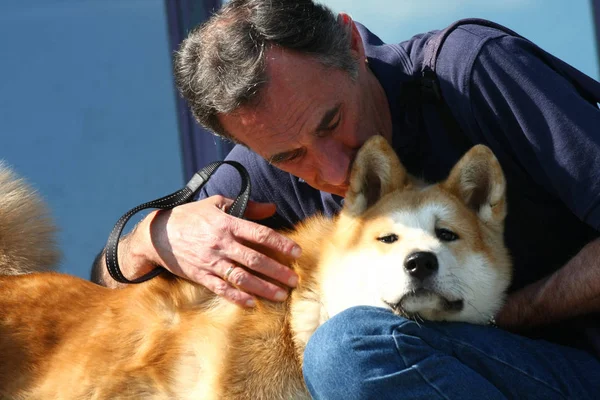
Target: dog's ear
x: 477, y: 179
x: 376, y: 171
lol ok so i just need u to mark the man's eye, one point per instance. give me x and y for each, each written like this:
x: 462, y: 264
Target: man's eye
x: 288, y: 157
x: 336, y: 123
x: 328, y: 129
x: 388, y: 239
x: 445, y: 235
x: 297, y: 155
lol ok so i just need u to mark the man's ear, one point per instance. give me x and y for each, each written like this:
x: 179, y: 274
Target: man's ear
x: 376, y: 171
x: 477, y: 179
x: 356, y: 44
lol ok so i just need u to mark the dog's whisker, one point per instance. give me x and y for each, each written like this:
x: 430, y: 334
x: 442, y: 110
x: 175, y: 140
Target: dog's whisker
x: 484, y: 315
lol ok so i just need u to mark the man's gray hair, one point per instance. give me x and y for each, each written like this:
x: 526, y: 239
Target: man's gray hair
x: 221, y: 66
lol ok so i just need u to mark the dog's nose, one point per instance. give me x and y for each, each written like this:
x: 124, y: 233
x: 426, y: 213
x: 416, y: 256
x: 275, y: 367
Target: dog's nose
x: 421, y: 264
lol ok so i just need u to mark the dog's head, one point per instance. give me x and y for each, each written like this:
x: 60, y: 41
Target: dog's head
x: 424, y: 251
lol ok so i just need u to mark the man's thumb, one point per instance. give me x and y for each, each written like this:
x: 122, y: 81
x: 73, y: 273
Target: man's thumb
x: 256, y: 211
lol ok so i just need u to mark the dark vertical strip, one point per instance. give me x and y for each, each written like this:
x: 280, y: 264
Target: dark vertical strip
x: 596, y: 15
x: 198, y: 146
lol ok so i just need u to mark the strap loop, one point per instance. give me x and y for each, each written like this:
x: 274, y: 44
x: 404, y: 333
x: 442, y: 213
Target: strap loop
x: 182, y: 196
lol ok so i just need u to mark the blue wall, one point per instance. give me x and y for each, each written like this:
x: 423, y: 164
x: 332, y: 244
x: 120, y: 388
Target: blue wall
x: 87, y: 111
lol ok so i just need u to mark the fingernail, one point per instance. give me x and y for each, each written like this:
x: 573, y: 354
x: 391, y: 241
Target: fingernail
x: 293, y: 281
x: 250, y: 303
x: 280, y: 295
x: 296, y: 251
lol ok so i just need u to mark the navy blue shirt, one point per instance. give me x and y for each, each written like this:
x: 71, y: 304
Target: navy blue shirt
x: 502, y: 94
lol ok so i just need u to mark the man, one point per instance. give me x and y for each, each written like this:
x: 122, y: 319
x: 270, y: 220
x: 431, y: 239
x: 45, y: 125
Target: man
x: 300, y: 90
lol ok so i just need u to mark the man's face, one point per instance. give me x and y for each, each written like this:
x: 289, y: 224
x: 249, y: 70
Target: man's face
x: 311, y: 120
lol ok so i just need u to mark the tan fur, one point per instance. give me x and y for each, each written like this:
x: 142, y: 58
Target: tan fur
x: 63, y: 337
x: 27, y: 241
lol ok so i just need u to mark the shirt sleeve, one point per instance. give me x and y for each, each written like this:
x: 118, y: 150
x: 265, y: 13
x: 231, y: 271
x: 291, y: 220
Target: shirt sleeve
x: 226, y: 182
x: 536, y: 117
x: 295, y: 200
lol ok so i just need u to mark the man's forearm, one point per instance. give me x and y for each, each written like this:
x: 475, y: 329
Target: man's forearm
x: 132, y: 263
x: 100, y: 273
x: 571, y: 291
x: 99, y: 270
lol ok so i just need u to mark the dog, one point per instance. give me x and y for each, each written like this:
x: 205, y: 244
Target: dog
x: 430, y: 251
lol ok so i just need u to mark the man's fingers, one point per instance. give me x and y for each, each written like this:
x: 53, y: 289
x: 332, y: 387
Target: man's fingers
x: 255, y: 233
x: 225, y: 290
x: 221, y: 202
x: 240, y: 285
x: 258, y: 211
x: 256, y: 261
x: 233, y: 242
x: 254, y: 210
x: 266, y: 237
x: 245, y: 281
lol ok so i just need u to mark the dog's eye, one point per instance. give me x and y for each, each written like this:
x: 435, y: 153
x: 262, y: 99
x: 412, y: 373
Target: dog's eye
x: 391, y: 238
x: 445, y: 235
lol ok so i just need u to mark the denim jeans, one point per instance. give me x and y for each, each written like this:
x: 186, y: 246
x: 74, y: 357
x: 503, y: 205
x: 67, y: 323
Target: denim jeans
x: 370, y: 353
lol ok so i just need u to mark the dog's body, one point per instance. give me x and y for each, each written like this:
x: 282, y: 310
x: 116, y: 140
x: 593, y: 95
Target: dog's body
x: 434, y: 252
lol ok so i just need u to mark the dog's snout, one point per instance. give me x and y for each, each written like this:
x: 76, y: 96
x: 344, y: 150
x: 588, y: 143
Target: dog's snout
x: 421, y: 264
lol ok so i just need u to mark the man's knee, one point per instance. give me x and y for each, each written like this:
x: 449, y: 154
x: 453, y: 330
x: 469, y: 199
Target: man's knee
x: 344, y: 350
x: 343, y: 332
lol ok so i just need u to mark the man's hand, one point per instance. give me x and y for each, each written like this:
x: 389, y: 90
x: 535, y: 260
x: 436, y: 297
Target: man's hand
x: 571, y: 291
x: 200, y: 241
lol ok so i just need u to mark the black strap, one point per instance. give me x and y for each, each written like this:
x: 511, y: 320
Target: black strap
x: 182, y: 196
x: 429, y: 81
x: 430, y: 87
x: 585, y: 85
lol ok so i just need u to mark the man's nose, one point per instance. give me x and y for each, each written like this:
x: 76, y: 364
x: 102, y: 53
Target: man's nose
x: 334, y: 163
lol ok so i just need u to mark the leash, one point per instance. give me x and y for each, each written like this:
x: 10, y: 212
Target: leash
x: 179, y: 197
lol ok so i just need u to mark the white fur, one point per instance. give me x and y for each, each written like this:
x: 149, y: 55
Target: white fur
x: 371, y: 277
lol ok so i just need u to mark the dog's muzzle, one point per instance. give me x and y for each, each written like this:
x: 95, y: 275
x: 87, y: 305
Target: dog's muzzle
x: 409, y: 303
